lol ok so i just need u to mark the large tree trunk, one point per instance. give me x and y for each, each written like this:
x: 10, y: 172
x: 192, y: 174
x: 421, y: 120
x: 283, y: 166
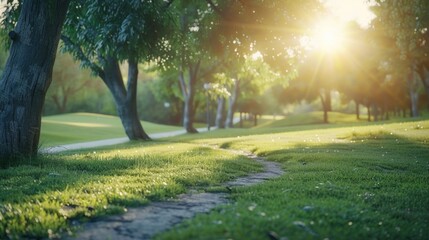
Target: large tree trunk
x: 27, y: 76
x: 125, y: 99
x: 219, y: 112
x: 232, y: 104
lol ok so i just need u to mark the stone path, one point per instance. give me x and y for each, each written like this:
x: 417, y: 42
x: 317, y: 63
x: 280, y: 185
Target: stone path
x: 145, y: 222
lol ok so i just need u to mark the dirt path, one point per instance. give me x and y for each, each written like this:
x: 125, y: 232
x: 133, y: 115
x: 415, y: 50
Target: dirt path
x: 145, y: 222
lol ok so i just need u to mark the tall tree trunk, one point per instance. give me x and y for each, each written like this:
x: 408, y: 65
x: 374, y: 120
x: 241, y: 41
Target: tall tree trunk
x: 413, y: 91
x: 219, y: 112
x: 188, y: 115
x: 27, y: 76
x: 357, y: 110
x: 325, y: 108
x: 131, y: 120
x: 232, y: 104
x: 188, y: 92
x: 125, y: 99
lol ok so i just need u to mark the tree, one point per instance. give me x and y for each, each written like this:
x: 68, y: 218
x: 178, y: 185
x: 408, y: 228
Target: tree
x: 250, y: 79
x: 317, y: 77
x: 102, y: 34
x: 191, y: 57
x: 271, y: 29
x: 27, y: 76
x: 359, y: 76
x: 406, y: 22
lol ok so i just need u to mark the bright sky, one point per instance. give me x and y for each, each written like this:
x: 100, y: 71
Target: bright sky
x: 351, y: 10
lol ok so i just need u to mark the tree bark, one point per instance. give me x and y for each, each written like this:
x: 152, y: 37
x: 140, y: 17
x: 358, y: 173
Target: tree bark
x: 27, y: 76
x: 232, y: 104
x: 219, y: 112
x: 125, y: 99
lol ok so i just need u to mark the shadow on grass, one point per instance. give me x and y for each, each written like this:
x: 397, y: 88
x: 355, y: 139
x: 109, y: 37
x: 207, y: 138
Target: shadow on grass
x: 59, y: 188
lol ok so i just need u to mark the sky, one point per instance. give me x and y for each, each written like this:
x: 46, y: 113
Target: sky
x: 351, y: 10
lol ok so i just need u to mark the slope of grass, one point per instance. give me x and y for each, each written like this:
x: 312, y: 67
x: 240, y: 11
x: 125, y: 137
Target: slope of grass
x: 83, y: 127
x: 42, y: 198
x: 359, y: 182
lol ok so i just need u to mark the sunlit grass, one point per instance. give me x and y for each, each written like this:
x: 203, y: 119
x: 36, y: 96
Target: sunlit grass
x: 355, y: 182
x: 43, y: 199
x: 83, y: 127
x: 352, y: 180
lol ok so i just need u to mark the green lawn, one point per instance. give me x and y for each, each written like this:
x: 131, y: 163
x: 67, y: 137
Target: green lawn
x: 348, y: 180
x: 82, y: 127
x: 355, y: 182
x: 41, y: 198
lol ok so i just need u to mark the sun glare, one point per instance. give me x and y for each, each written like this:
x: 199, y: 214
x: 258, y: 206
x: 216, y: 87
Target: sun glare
x: 327, y: 36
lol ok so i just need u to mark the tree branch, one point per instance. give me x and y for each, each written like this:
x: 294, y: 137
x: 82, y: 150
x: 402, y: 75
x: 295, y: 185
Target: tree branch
x: 82, y: 56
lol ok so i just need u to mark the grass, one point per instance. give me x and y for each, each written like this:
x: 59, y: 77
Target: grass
x: 345, y: 180
x: 42, y: 199
x: 83, y: 127
x: 356, y: 182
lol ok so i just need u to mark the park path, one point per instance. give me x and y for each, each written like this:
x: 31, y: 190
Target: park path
x: 145, y: 222
x: 112, y: 141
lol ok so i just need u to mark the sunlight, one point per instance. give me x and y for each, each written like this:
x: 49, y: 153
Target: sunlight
x: 327, y: 36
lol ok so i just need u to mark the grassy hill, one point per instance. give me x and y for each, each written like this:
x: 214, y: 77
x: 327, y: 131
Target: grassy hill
x: 82, y: 127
